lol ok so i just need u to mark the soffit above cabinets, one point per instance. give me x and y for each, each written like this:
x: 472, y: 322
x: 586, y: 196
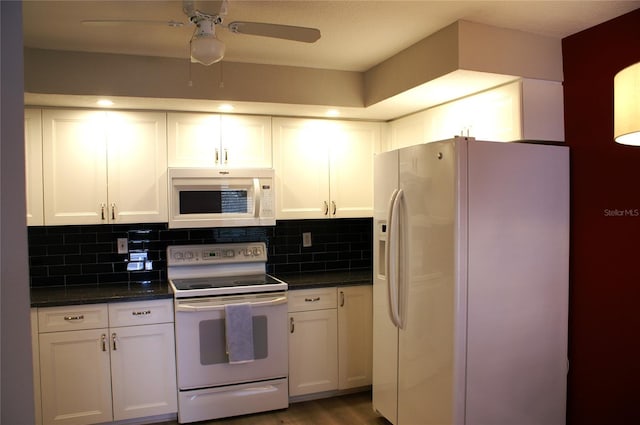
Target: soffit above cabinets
x: 452, y: 86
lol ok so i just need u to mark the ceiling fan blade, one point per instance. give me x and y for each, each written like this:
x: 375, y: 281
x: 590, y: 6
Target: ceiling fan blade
x: 286, y: 32
x: 112, y: 22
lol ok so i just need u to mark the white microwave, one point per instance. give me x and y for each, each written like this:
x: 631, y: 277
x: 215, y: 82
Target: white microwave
x: 209, y: 197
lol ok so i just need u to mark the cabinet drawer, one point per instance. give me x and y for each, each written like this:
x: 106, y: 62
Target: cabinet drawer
x: 69, y: 318
x: 312, y: 299
x: 140, y: 312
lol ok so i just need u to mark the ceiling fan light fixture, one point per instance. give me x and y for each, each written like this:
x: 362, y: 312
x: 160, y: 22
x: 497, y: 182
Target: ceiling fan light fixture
x: 205, y: 47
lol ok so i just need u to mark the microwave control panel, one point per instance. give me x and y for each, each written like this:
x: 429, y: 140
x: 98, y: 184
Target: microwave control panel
x: 266, y: 199
x: 184, y: 255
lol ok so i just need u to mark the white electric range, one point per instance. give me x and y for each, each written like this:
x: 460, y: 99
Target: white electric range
x: 208, y: 280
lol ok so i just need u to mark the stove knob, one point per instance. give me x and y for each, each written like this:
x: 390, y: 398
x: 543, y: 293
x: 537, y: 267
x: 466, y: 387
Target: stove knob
x: 188, y: 255
x: 257, y: 251
x: 177, y: 256
x: 229, y: 253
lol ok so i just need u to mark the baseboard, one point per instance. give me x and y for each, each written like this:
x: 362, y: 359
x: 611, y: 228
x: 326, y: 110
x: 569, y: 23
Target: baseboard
x: 327, y: 394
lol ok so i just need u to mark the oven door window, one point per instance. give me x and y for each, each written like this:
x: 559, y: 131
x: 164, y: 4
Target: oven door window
x: 218, y: 201
x: 213, y: 342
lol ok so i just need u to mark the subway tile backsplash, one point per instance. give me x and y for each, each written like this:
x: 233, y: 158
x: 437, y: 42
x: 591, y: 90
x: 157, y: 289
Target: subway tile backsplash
x: 87, y: 254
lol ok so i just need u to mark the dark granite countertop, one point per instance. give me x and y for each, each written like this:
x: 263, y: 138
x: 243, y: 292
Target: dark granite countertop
x: 309, y: 280
x: 103, y: 293
x: 135, y: 291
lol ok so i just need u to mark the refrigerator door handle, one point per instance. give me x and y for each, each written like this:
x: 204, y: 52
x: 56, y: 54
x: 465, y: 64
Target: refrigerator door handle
x: 392, y: 256
x: 399, y: 233
x: 391, y: 275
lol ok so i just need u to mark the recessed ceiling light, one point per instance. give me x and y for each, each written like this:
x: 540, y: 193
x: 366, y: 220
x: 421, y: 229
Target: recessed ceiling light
x: 225, y: 107
x: 332, y: 113
x: 104, y: 102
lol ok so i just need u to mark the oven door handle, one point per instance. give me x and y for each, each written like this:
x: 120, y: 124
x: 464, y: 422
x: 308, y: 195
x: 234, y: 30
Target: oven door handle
x: 186, y: 307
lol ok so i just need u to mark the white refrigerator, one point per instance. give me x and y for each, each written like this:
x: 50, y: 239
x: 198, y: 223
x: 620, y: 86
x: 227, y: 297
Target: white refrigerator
x: 471, y: 259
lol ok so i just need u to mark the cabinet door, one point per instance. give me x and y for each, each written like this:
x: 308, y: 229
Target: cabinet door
x: 137, y: 171
x: 74, y: 167
x: 246, y: 141
x: 193, y: 140
x: 301, y: 163
x: 35, y: 352
x: 33, y: 166
x: 352, y: 148
x: 313, y: 352
x: 355, y: 336
x: 75, y: 377
x: 143, y: 370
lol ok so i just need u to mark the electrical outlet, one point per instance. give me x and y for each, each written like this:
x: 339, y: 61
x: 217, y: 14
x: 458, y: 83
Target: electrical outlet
x: 306, y: 239
x: 123, y: 245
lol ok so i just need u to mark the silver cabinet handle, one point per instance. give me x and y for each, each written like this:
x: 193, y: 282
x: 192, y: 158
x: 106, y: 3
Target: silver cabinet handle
x: 217, y: 156
x: 113, y: 211
x: 326, y: 208
x: 333, y: 207
x: 103, y: 340
x: 226, y: 155
x: 292, y: 325
x: 141, y: 313
x: 312, y: 300
x: 102, y: 207
x: 113, y: 341
x: 72, y: 318
x: 341, y: 298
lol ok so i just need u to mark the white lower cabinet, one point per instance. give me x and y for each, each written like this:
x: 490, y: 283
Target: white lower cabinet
x: 92, y: 372
x: 355, y: 336
x: 313, y: 341
x: 75, y: 377
x: 330, y: 339
x: 143, y: 375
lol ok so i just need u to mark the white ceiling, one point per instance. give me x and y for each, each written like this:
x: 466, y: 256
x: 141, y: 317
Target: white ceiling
x: 356, y: 34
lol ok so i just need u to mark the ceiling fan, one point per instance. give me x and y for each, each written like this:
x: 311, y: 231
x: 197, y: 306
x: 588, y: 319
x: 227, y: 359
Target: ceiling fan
x: 205, y: 47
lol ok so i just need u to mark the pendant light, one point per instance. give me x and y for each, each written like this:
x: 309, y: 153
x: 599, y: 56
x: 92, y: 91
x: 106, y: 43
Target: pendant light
x: 626, y: 108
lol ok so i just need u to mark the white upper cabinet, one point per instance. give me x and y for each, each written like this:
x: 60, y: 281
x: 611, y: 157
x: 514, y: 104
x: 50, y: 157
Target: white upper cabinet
x: 137, y: 167
x: 104, y: 167
x: 526, y: 109
x: 324, y: 168
x: 246, y: 141
x: 193, y: 140
x: 33, y: 166
x: 212, y: 140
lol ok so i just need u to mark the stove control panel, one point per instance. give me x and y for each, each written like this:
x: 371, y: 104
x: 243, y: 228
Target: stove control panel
x: 216, y: 253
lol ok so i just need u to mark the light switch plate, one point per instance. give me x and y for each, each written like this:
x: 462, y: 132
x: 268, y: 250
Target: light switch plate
x: 306, y: 239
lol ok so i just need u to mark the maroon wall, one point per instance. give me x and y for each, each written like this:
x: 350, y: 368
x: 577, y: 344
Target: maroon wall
x: 604, y: 328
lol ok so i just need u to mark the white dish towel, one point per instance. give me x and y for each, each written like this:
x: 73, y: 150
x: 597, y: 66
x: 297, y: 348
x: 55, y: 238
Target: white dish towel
x: 239, y: 332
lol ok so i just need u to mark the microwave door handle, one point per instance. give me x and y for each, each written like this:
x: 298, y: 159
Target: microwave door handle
x: 256, y: 193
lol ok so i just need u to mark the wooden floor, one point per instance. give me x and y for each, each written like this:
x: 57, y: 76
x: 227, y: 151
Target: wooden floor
x: 351, y: 409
